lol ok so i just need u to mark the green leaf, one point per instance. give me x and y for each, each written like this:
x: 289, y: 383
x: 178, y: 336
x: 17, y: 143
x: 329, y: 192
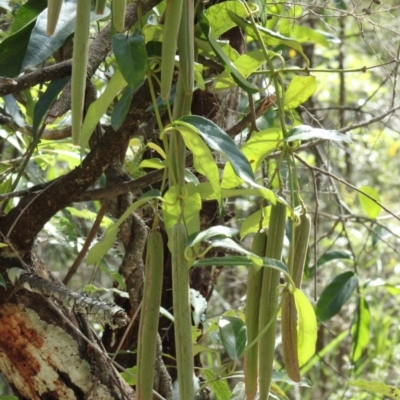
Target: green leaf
x: 121, y: 108
x: 304, y: 34
x: 306, y: 327
x: 45, y: 102
x: 203, y: 160
x: 218, y: 18
x: 99, y: 107
x: 8, y: 397
x: 300, y: 89
x: 27, y: 13
x: 12, y: 50
x: 252, y: 223
x: 377, y: 388
x: 219, y: 387
x: 233, y: 334
x: 305, y: 132
x: 42, y: 46
x: 335, y: 295
x: 369, y: 206
x: 219, y: 230
x: 129, y: 375
x: 130, y: 53
x: 246, y: 64
x: 269, y: 37
x: 334, y: 255
x: 260, y: 145
x: 360, y: 330
x: 102, y: 247
x: 155, y: 163
x: 222, y: 57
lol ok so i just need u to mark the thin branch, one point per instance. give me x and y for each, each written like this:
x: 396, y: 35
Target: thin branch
x: 322, y: 171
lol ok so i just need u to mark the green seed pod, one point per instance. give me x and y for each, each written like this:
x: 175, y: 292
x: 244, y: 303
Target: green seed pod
x: 53, y: 13
x: 301, y: 236
x: 118, y: 13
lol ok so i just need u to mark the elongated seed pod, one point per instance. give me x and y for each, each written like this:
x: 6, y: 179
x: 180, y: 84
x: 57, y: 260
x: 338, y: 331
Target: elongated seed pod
x: 254, y: 281
x: 148, y: 328
x: 269, y: 298
x: 53, y: 13
x: 289, y: 336
x: 100, y: 7
x: 79, y: 66
x: 182, y: 312
x: 301, y: 237
x: 173, y: 12
x: 118, y: 12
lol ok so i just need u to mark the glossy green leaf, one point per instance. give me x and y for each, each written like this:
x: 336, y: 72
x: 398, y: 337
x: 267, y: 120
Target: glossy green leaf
x: 155, y: 163
x: 360, y: 330
x: 269, y: 37
x: 12, y: 50
x: 101, y: 248
x: 335, y: 295
x: 369, y: 206
x: 300, y: 89
x: 252, y: 223
x: 42, y: 46
x: 121, y: 108
x: 203, y: 160
x: 27, y: 13
x: 130, y: 53
x: 219, y: 230
x: 222, y: 57
x: 305, y: 132
x: 233, y: 334
x: 45, y: 102
x: 218, y: 140
x: 306, y: 327
x: 377, y: 388
x: 260, y: 145
x: 98, y: 108
x: 334, y: 255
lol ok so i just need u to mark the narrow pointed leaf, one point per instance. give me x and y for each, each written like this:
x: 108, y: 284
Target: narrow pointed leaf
x: 45, y: 102
x: 334, y: 255
x: 209, y: 233
x: 305, y: 132
x: 377, y: 388
x: 361, y: 330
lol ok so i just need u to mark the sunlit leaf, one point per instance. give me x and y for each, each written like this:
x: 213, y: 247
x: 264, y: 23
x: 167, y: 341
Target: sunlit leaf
x: 306, y: 327
x: 305, y: 132
x: 99, y: 107
x: 222, y: 57
x: 129, y: 375
x: 218, y: 386
x: 369, y: 206
x: 233, y: 334
x: 300, y: 89
x: 335, y: 295
x: 252, y: 223
x: 377, y: 388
